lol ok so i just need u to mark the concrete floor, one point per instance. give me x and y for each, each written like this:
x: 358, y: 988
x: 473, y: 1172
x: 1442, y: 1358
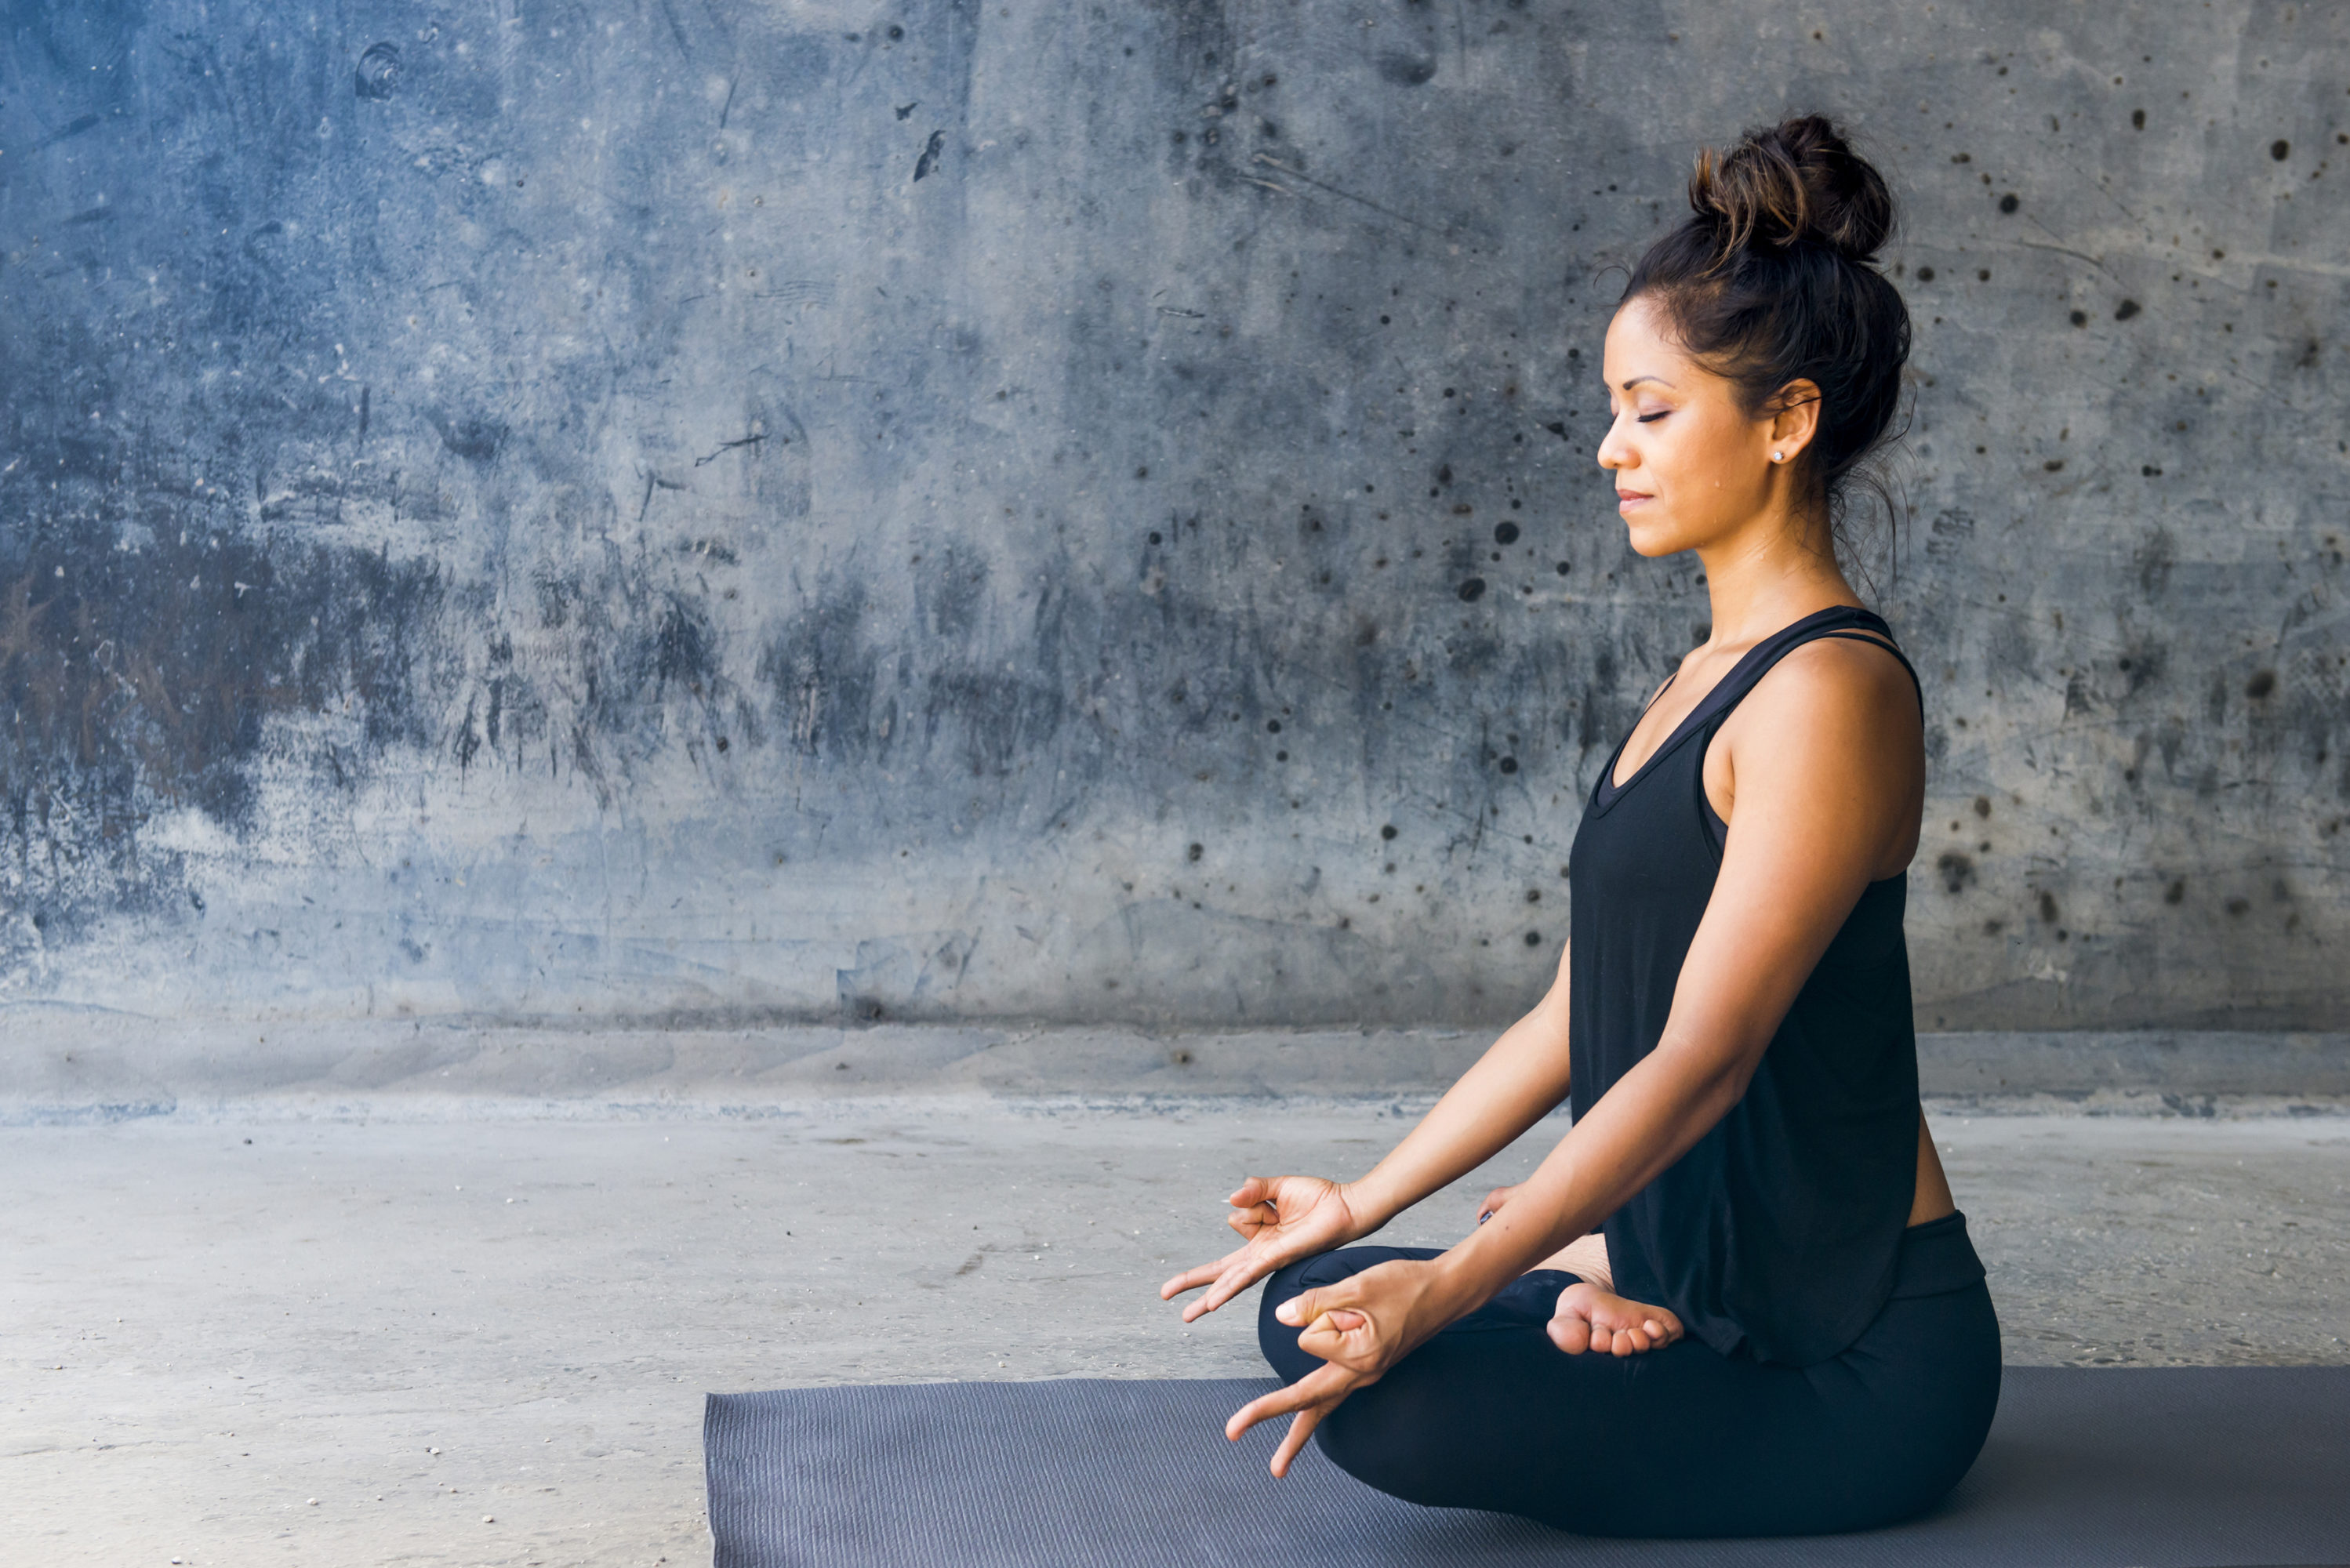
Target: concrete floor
x: 466, y: 1332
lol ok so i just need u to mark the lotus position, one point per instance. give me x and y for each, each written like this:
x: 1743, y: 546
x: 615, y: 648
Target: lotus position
x: 1736, y: 1298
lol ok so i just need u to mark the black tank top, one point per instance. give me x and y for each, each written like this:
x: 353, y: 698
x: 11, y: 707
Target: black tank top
x: 1776, y: 1235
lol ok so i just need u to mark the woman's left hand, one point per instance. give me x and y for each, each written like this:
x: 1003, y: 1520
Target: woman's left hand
x: 1360, y: 1327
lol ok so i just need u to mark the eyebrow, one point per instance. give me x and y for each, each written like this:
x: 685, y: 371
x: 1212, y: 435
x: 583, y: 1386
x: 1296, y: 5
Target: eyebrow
x: 1638, y: 379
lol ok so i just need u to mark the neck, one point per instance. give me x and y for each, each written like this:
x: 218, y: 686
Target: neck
x: 1771, y: 572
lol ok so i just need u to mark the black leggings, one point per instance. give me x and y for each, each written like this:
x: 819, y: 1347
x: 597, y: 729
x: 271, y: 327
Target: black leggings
x: 1678, y: 1441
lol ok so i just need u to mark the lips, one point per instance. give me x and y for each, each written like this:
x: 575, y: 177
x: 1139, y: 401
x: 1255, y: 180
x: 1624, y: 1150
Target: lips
x: 1632, y: 497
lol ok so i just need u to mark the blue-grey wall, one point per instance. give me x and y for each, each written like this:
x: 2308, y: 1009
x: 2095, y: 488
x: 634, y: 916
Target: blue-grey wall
x: 721, y: 508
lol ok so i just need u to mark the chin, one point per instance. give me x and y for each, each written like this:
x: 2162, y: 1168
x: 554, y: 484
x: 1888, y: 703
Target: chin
x: 1654, y: 536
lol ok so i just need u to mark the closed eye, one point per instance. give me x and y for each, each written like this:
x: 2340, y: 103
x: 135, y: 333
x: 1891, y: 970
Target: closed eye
x: 1652, y: 419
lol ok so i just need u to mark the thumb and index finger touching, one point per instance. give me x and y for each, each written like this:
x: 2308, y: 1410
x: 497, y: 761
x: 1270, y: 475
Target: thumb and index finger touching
x: 1253, y: 1206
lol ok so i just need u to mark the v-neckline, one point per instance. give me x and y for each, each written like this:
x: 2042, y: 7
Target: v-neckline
x: 1609, y: 790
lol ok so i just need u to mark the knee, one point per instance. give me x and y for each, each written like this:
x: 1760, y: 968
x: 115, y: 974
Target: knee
x: 1275, y: 1338
x: 1379, y: 1442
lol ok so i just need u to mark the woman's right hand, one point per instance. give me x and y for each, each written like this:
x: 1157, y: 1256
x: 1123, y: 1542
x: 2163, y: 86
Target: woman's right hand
x: 1494, y: 1201
x: 1284, y: 1218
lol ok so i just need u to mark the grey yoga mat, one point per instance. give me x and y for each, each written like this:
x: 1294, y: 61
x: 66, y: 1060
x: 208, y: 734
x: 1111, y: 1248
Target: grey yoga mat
x: 2168, y: 1468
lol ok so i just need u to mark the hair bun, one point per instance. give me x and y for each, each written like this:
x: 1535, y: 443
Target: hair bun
x: 1797, y: 182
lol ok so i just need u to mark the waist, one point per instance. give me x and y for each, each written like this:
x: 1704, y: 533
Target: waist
x: 1936, y: 1257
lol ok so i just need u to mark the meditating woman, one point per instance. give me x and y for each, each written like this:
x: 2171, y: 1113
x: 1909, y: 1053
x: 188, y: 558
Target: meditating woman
x: 1736, y: 1299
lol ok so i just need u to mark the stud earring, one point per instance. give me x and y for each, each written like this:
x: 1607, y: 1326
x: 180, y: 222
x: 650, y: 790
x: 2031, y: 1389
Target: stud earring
x: 1778, y: 457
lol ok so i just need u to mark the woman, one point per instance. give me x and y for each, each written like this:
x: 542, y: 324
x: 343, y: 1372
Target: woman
x: 1796, y: 1337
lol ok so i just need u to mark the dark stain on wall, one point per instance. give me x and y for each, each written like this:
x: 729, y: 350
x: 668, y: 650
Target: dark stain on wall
x: 140, y: 663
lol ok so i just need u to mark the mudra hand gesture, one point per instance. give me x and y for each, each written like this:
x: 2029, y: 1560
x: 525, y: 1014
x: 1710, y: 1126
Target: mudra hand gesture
x: 1360, y: 1327
x: 1285, y: 1218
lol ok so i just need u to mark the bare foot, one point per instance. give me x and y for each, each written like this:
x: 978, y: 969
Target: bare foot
x: 1589, y: 1318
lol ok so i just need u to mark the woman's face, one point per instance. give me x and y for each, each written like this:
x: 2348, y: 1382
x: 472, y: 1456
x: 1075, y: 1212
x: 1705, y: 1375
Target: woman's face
x: 1691, y: 467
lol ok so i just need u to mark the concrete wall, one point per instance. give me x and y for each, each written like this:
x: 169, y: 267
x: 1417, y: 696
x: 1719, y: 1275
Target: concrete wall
x: 730, y: 509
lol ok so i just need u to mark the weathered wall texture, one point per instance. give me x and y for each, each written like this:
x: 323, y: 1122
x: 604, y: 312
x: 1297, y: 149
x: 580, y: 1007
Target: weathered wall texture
x: 742, y: 508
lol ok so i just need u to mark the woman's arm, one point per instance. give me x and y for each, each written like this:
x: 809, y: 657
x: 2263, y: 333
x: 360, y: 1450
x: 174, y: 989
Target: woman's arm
x: 1825, y: 793
x: 1512, y: 1086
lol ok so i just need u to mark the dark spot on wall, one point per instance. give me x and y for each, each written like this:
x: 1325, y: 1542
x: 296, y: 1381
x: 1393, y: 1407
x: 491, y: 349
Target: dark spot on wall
x: 2009, y: 203
x: 683, y: 647
x: 2261, y: 684
x: 1389, y: 831
x: 1956, y: 871
x: 1509, y: 765
x: 2237, y: 906
x: 1406, y: 71
x: 476, y: 438
x: 2125, y: 309
x: 2048, y: 908
x: 1925, y: 274
x: 1474, y: 589
x: 1194, y: 852
x: 2176, y: 892
x: 1505, y: 534
x: 933, y: 150
x: 2078, y: 317
x: 78, y: 125
x: 822, y: 679
x: 2137, y: 119
x: 376, y: 75
x: 2280, y: 149
x: 1534, y: 939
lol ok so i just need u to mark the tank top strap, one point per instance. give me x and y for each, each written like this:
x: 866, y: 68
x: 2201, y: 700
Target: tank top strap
x: 1847, y: 622
x: 1862, y: 623
x: 1836, y: 620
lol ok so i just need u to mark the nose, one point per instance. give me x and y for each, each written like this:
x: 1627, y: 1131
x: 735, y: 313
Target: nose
x: 1614, y: 451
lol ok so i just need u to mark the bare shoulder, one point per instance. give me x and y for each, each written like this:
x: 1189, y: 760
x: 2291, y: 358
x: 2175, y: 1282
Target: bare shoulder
x: 1848, y: 688
x: 1832, y: 731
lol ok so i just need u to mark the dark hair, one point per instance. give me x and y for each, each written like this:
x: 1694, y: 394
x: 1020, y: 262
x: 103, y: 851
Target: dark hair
x: 1772, y: 279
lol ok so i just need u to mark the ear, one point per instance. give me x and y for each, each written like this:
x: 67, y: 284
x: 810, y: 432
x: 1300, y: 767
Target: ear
x: 1796, y: 416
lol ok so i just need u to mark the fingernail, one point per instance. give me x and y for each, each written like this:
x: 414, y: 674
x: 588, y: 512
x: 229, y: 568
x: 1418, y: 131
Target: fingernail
x: 1287, y: 1313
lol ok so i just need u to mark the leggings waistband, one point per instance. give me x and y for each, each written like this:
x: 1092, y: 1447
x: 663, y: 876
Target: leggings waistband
x: 1936, y: 1257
